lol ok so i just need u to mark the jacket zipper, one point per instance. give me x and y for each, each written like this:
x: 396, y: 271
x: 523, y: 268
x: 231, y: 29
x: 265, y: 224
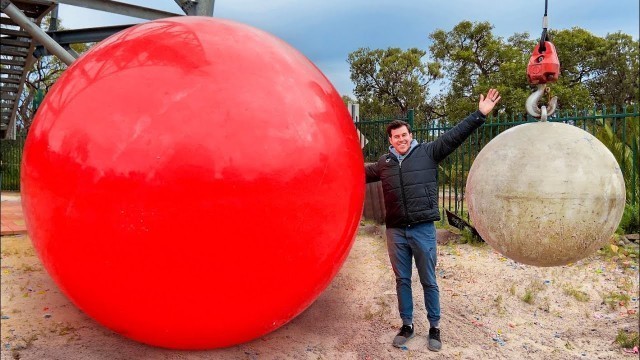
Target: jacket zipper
x: 404, y: 198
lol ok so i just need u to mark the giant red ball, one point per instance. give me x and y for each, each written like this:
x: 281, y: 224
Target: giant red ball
x: 192, y: 183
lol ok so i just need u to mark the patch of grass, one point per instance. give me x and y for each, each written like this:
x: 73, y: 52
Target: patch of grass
x: 627, y: 339
x: 529, y: 296
x: 532, y: 290
x: 577, y: 294
x: 613, y: 299
x: 512, y: 289
x: 630, y: 222
x: 28, y: 268
x: 467, y: 237
x: 453, y: 249
x: 29, y: 252
x: 612, y: 251
x: 62, y: 328
x: 499, y: 305
x: 625, y: 284
x: 634, y: 252
x: 67, y: 329
x: 364, y: 221
x: 9, y: 252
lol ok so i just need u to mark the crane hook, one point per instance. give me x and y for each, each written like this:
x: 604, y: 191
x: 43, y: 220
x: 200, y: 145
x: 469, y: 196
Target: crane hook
x: 544, y: 111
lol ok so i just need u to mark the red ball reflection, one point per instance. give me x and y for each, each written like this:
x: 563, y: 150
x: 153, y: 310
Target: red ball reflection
x: 192, y: 183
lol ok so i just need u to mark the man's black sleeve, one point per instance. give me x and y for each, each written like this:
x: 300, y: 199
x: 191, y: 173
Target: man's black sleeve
x: 446, y: 143
x: 371, y: 172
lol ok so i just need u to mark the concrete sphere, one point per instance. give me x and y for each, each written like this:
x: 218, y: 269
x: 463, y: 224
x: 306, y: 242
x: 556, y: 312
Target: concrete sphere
x: 545, y: 194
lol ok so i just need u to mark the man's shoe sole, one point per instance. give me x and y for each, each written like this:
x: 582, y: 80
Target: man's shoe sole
x: 403, y: 344
x: 433, y: 349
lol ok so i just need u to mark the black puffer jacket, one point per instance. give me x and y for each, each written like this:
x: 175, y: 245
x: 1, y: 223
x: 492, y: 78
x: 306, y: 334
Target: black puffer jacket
x: 411, y: 188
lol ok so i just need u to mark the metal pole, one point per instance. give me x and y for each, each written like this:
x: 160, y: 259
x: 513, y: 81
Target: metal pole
x: 121, y: 8
x: 204, y: 8
x: 53, y: 24
x: 196, y: 7
x: 34, y: 30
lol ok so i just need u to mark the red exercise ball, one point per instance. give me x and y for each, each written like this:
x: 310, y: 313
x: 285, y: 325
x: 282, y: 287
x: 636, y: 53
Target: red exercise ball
x: 192, y: 183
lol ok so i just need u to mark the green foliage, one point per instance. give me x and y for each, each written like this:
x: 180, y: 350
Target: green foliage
x: 630, y: 222
x: 347, y: 99
x: 10, y: 157
x: 528, y: 296
x: 467, y: 237
x: 470, y: 59
x: 575, y: 70
x: 624, y: 144
x: 43, y: 74
x: 615, y: 251
x: 614, y: 299
x: 617, y: 67
x: 628, y: 340
x: 390, y: 82
x: 575, y: 293
x: 469, y: 54
x: 531, y: 291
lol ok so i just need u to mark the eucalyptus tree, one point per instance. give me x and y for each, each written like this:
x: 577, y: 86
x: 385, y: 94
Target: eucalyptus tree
x: 388, y: 82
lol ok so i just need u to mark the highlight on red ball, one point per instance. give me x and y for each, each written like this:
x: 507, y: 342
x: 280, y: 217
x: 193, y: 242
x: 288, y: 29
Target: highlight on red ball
x: 192, y: 183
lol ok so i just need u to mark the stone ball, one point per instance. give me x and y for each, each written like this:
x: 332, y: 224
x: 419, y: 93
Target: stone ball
x: 545, y: 194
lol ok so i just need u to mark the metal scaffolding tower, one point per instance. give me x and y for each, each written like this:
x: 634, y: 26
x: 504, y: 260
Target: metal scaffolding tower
x: 22, y: 40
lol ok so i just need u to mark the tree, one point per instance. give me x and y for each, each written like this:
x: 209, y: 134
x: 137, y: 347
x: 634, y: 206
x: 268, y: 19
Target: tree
x: 390, y: 82
x: 618, y: 75
x: 43, y: 74
x: 346, y: 99
x: 602, y: 71
x: 578, y: 52
x: 468, y: 54
x: 594, y: 70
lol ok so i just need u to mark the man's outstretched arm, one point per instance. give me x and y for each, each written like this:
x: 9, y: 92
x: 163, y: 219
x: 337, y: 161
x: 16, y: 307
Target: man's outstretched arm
x: 452, y: 139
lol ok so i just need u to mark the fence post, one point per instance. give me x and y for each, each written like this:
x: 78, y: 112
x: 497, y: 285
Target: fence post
x: 410, y: 118
x: 634, y: 171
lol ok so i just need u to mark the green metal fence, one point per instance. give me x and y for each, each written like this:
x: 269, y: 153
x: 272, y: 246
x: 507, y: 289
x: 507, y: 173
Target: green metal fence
x: 617, y: 128
x: 10, y: 157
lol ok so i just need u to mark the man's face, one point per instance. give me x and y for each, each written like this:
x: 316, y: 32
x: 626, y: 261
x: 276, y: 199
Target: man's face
x: 401, y: 139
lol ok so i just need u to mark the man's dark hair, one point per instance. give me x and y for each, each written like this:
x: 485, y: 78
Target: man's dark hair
x: 395, y: 124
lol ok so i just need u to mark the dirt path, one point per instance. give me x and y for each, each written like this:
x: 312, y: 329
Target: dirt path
x: 492, y: 308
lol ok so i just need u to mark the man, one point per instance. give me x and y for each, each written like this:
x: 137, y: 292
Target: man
x: 410, y: 186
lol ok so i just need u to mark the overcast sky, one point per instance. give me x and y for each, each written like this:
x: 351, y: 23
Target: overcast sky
x: 326, y: 31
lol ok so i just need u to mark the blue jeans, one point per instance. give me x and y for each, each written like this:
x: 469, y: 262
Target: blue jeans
x: 419, y: 242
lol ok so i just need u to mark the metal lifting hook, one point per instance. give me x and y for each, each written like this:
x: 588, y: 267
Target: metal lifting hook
x: 540, y: 112
x: 543, y: 68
